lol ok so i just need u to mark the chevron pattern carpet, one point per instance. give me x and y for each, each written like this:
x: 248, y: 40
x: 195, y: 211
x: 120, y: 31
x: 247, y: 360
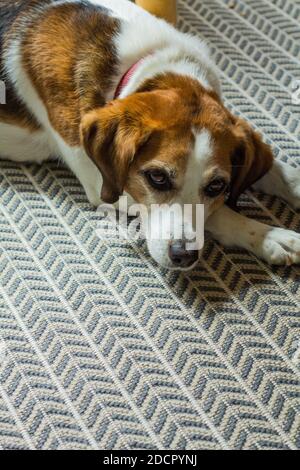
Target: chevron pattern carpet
x: 101, y: 349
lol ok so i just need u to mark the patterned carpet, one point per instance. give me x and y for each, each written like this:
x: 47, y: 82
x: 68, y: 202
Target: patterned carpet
x: 101, y: 349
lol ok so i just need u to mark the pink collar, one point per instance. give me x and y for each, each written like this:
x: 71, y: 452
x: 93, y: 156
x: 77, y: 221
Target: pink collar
x: 126, y: 77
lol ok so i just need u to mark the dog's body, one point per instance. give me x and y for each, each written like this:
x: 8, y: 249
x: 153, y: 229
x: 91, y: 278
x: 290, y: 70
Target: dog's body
x: 132, y: 105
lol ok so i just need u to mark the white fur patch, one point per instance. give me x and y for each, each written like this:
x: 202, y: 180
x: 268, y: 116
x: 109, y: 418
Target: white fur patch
x: 188, y: 196
x: 142, y: 34
x: 197, y: 164
x: 20, y: 145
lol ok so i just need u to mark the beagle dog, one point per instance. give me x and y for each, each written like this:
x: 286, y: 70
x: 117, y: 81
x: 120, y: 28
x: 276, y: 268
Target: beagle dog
x: 134, y: 107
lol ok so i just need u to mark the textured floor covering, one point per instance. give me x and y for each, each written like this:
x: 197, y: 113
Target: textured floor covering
x: 101, y: 349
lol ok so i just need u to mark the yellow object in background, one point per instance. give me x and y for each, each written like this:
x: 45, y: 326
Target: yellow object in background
x: 166, y: 9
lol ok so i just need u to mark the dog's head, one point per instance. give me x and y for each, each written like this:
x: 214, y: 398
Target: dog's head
x: 173, y: 144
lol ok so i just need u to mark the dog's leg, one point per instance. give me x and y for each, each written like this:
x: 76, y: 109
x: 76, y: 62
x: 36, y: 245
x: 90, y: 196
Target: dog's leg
x: 274, y: 245
x: 283, y: 181
x: 85, y: 170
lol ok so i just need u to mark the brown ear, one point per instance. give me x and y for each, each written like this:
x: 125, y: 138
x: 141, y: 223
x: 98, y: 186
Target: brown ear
x: 111, y: 137
x: 251, y: 160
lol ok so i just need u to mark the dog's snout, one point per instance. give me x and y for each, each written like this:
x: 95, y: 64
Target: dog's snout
x: 180, y: 256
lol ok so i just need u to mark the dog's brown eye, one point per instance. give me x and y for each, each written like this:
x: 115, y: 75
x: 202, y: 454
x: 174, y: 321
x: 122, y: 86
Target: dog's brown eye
x: 158, y: 179
x: 216, y: 187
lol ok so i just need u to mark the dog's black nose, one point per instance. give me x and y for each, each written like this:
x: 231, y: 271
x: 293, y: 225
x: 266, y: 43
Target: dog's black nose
x: 180, y: 256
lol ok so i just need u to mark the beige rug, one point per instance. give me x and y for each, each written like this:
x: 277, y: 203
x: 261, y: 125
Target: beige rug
x: 100, y: 348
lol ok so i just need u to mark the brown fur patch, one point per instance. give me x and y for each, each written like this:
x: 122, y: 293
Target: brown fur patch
x: 69, y: 55
x: 251, y: 160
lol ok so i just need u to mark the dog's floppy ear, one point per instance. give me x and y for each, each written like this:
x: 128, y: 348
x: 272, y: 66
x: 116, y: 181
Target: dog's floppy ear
x: 112, y: 137
x: 251, y: 160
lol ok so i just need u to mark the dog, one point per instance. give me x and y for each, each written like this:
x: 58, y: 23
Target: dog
x: 134, y: 107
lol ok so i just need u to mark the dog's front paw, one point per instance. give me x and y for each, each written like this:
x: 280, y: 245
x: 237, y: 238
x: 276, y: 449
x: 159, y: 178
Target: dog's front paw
x: 280, y: 247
